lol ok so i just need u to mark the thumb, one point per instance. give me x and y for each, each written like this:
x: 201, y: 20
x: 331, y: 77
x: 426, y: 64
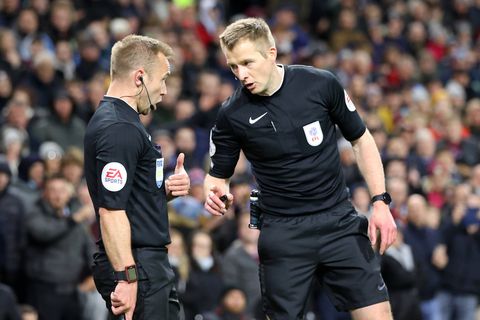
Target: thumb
x: 180, y: 160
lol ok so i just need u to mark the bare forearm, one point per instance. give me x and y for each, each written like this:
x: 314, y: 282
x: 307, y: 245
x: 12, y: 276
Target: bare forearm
x: 116, y: 237
x: 370, y: 163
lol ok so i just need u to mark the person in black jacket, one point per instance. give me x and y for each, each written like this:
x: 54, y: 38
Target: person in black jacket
x: 400, y: 274
x: 12, y: 233
x: 59, y: 253
x: 460, y: 282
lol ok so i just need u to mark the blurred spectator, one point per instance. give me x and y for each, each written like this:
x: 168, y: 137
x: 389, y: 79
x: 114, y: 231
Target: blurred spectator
x: 205, y: 285
x: 5, y: 85
x: 240, y: 265
x: 13, y: 141
x: 360, y: 198
x: 347, y: 34
x: 28, y: 312
x: 9, y: 12
x: 423, y: 241
x: 43, y: 80
x: 64, y: 127
x: 461, y: 247
x: 28, y: 31
x: 61, y: 25
x: 72, y: 166
x: 89, y: 62
x: 31, y: 172
x: 288, y: 34
x: 12, y: 234
x: 9, y: 56
x: 8, y: 305
x: 59, y: 252
x: 51, y: 154
x: 232, y: 306
x: 179, y: 259
x: 185, y: 142
x: 400, y: 274
x: 64, y: 60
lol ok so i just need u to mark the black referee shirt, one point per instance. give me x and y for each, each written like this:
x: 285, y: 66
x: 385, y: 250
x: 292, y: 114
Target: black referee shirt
x: 124, y: 171
x: 290, y: 140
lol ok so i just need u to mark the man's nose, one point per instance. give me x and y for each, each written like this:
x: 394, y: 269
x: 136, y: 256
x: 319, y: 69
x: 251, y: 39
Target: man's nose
x: 242, y: 73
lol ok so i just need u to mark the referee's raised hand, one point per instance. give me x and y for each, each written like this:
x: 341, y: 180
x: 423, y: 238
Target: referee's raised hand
x: 178, y: 184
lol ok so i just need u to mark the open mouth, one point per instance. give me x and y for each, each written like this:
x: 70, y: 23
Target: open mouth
x: 250, y: 86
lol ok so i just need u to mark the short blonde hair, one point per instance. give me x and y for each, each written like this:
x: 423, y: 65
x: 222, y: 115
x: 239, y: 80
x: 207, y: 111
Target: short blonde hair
x: 253, y: 29
x: 136, y: 51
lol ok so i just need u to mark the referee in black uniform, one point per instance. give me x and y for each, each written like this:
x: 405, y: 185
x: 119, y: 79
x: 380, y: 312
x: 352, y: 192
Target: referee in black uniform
x: 284, y: 119
x: 124, y: 172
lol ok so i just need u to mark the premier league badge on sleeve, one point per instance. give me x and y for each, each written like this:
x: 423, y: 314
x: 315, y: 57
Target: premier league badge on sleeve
x: 313, y: 133
x: 159, y: 172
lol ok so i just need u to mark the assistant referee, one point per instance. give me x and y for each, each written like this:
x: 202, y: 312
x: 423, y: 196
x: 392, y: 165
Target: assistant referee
x: 124, y: 172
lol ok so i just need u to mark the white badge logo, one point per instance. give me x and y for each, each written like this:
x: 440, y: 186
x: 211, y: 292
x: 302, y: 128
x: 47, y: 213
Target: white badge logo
x: 159, y: 172
x: 114, y: 176
x: 349, y: 102
x: 313, y: 133
x: 252, y: 121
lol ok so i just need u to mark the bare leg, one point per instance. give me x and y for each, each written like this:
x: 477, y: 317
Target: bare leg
x: 379, y: 311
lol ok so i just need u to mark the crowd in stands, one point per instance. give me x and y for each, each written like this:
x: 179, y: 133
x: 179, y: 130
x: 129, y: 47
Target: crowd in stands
x: 412, y: 68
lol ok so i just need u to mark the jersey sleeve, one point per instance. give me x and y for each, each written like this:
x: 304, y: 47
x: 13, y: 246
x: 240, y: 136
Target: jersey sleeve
x: 118, y: 150
x: 224, y: 148
x: 343, y: 111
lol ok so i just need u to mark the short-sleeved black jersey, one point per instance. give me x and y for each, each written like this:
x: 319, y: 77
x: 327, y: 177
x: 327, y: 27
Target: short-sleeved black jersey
x: 124, y: 171
x: 290, y: 140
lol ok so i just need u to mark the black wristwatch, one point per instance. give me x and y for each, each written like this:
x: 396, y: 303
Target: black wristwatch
x: 385, y: 197
x: 129, y: 274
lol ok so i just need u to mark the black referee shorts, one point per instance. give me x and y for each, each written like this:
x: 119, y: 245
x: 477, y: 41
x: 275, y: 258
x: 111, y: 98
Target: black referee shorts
x: 334, y: 246
x: 156, y: 294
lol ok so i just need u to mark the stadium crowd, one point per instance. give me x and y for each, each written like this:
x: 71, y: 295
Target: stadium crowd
x: 412, y: 68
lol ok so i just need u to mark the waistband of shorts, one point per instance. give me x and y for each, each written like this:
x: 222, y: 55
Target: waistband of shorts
x: 338, y: 208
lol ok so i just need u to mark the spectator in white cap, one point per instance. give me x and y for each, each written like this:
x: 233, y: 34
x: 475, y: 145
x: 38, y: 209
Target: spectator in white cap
x: 52, y: 155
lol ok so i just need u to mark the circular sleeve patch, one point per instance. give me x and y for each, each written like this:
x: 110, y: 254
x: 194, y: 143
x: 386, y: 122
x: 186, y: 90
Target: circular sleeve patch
x: 114, y: 176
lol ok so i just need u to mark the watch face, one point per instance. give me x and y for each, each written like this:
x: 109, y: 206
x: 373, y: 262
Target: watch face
x: 131, y: 274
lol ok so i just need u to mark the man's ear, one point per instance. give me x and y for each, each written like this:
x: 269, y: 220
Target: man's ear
x: 272, y: 53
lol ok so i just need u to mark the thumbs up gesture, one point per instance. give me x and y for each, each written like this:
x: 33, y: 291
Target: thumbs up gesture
x: 178, y: 184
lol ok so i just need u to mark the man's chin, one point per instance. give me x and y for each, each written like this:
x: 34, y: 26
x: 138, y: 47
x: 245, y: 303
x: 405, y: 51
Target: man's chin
x: 145, y: 111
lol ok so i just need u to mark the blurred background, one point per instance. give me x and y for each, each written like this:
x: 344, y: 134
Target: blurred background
x: 411, y: 67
